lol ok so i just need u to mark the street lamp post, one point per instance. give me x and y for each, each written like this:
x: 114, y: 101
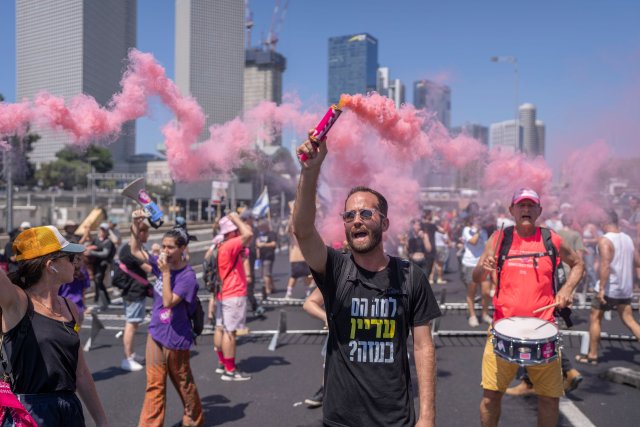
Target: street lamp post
x: 8, y: 175
x: 514, y: 61
x: 92, y: 180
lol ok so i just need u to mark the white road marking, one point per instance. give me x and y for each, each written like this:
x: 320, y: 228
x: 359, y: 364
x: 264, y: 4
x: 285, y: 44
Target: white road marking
x: 571, y: 412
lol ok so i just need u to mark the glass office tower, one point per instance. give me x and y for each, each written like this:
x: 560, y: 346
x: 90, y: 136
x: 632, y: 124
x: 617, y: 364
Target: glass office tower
x: 353, y: 65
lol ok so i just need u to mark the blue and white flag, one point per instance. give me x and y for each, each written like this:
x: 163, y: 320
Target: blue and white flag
x: 261, y: 207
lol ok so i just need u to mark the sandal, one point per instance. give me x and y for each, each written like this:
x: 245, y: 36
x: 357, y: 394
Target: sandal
x: 583, y: 358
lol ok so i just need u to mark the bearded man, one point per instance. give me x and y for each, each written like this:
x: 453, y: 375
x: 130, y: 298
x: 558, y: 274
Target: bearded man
x: 372, y: 301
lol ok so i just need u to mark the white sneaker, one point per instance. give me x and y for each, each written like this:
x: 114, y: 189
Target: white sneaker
x: 234, y: 376
x: 487, y: 319
x: 131, y: 365
x: 473, y: 322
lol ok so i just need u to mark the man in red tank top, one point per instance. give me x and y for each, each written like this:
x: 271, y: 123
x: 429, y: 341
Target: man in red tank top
x: 526, y: 284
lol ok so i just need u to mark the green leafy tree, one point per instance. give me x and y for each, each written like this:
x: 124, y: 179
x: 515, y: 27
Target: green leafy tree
x: 72, y: 166
x: 21, y: 168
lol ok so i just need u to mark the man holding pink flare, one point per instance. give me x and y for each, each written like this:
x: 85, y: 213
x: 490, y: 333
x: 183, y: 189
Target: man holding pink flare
x: 525, y: 271
x: 372, y: 301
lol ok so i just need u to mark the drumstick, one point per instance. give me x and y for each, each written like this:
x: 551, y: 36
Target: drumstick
x: 538, y: 310
x: 495, y: 248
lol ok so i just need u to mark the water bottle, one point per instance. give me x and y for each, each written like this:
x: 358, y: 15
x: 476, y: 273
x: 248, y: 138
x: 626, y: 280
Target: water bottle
x: 257, y: 265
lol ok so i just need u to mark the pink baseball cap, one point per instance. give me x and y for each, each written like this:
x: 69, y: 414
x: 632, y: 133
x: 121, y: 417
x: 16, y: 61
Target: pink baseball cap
x: 226, y: 225
x: 525, y: 194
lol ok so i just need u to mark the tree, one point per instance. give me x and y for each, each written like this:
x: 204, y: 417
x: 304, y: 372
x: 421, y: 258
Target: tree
x: 100, y: 157
x: 22, y: 169
x: 72, y: 166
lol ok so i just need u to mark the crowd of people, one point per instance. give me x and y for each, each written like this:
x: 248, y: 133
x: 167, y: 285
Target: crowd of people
x: 504, y: 256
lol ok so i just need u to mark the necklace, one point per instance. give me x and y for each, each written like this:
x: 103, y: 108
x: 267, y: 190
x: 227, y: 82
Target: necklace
x: 76, y: 328
x: 47, y: 307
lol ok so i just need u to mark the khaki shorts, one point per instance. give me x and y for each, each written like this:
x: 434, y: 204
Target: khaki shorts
x: 497, y: 374
x: 231, y: 313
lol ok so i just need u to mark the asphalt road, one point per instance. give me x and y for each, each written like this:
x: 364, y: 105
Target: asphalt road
x: 283, y: 378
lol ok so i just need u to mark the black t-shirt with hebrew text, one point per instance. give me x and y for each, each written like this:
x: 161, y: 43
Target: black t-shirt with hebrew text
x: 367, y: 375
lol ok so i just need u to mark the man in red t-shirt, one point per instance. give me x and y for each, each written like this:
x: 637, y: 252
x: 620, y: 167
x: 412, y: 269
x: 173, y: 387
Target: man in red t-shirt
x: 526, y: 284
x: 231, y: 307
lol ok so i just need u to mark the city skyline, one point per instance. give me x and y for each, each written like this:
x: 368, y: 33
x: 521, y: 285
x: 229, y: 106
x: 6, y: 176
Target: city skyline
x: 578, y: 61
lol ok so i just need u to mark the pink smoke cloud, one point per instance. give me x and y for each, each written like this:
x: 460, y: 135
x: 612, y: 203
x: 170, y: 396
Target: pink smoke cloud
x: 507, y: 171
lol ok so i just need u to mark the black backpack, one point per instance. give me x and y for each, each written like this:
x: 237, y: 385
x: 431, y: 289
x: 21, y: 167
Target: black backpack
x: 211, y: 275
x: 197, y: 318
x: 211, y: 272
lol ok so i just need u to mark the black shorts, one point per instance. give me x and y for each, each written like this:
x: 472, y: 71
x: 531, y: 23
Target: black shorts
x: 299, y: 269
x: 612, y: 303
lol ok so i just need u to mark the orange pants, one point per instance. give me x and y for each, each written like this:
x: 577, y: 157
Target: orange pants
x: 160, y: 362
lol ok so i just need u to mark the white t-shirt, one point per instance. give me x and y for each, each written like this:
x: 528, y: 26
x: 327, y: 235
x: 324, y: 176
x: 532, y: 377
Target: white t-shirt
x: 441, y: 240
x: 505, y: 222
x: 621, y: 268
x: 472, y: 253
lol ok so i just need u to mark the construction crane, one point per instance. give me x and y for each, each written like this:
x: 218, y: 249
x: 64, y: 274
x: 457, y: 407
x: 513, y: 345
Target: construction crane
x: 248, y: 22
x: 277, y: 20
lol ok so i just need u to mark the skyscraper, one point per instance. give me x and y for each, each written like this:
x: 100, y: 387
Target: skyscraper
x: 74, y: 47
x: 505, y: 135
x: 353, y: 65
x: 529, y: 138
x: 435, y: 98
x: 391, y: 88
x: 210, y: 56
x: 532, y: 131
x: 396, y: 92
x: 474, y: 130
x: 382, y: 85
x: 263, y: 79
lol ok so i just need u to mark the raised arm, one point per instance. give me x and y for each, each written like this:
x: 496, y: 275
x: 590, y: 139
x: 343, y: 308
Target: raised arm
x: 246, y: 233
x: 13, y: 302
x: 304, y: 211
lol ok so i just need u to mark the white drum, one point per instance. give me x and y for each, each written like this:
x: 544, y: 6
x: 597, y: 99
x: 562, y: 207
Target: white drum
x: 526, y: 340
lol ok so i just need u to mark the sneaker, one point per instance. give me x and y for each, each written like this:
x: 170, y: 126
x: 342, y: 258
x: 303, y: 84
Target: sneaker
x: 315, y: 400
x: 473, y: 322
x: 220, y: 368
x: 522, y: 389
x: 259, y: 311
x: 131, y: 365
x: 288, y: 295
x: 441, y: 282
x: 234, y: 376
x: 140, y: 359
x: 487, y: 319
x: 573, y: 380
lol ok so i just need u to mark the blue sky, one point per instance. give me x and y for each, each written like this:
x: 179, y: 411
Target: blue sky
x: 578, y: 59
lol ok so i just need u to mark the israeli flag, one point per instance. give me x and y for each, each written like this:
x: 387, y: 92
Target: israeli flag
x: 261, y: 207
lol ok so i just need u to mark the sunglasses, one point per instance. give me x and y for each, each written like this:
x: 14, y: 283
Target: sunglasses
x: 365, y: 215
x: 72, y: 257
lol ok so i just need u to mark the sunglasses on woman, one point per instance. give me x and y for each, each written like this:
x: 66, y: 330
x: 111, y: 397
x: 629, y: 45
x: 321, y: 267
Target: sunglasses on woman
x: 365, y: 215
x: 70, y: 256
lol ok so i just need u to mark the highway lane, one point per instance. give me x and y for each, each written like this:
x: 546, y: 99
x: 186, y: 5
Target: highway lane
x: 284, y: 377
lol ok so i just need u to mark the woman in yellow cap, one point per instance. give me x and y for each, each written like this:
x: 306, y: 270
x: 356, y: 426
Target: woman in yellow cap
x: 40, y: 333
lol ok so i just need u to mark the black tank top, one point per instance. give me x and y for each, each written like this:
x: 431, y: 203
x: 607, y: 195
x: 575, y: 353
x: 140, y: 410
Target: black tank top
x: 43, y: 353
